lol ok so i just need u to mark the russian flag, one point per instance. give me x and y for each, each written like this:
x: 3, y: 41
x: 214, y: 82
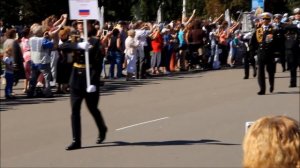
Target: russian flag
x: 84, y: 12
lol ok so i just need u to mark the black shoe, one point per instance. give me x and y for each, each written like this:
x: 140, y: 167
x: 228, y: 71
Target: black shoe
x: 74, y: 145
x: 255, y: 72
x: 144, y: 77
x: 102, y: 136
x: 246, y: 77
x: 59, y: 92
x: 10, y: 97
x: 30, y: 93
x: 16, y: 82
x: 48, y: 95
x: 271, y: 89
x: 260, y: 93
x: 292, y: 85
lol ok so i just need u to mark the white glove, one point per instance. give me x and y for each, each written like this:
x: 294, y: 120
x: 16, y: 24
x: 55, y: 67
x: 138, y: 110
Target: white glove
x: 91, y: 89
x: 83, y: 45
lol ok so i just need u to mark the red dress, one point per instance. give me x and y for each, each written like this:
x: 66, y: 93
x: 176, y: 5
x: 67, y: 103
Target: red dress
x: 157, y: 43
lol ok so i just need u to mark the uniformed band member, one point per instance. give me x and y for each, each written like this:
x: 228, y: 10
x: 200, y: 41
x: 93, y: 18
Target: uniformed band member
x: 78, y: 91
x: 292, y: 51
x: 296, y: 20
x: 292, y: 47
x: 279, y: 41
x: 262, y: 40
x: 249, y: 59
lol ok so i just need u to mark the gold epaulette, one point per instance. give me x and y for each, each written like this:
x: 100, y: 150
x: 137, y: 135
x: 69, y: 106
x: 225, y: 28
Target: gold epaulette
x: 259, y: 34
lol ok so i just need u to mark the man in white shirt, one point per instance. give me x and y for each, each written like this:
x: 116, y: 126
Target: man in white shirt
x: 40, y: 48
x: 142, y: 31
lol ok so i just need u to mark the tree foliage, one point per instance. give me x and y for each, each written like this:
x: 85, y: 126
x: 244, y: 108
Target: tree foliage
x: 29, y: 11
x: 214, y: 8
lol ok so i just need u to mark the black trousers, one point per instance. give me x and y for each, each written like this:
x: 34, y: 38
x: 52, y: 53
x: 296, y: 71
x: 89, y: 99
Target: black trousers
x: 293, y: 72
x: 270, y: 66
x: 78, y: 93
x: 282, y: 60
x: 247, y: 62
x: 141, y: 63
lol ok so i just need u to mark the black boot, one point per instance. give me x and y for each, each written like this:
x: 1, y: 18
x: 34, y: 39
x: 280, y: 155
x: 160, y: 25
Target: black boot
x: 76, y: 132
x: 30, y: 92
x: 255, y: 72
x: 74, y: 145
x: 102, y: 136
x: 271, y: 89
x: 261, y: 93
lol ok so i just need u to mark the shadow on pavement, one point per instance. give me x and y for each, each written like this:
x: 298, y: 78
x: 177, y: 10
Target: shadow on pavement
x: 11, y: 104
x: 285, y: 93
x: 162, y: 143
x: 121, y: 85
x: 110, y: 87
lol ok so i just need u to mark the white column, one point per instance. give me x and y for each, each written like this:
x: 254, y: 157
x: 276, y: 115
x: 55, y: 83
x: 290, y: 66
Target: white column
x: 183, y: 9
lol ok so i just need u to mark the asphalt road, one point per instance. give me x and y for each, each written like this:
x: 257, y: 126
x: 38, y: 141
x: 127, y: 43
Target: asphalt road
x: 185, y: 120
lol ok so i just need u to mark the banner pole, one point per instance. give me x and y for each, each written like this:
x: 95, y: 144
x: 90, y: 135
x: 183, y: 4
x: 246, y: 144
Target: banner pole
x: 87, y: 61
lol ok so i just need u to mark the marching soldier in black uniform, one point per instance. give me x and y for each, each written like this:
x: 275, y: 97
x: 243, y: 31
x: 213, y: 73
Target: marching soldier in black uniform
x: 262, y: 40
x: 279, y: 41
x: 292, y: 51
x: 78, y: 88
x: 292, y: 48
x: 249, y: 57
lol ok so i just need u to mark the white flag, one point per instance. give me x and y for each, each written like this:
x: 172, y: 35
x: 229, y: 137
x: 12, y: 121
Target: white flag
x: 227, y: 17
x: 101, y: 17
x: 159, y: 15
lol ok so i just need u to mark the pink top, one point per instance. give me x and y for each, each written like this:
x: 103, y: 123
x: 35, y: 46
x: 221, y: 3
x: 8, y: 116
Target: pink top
x: 25, y: 49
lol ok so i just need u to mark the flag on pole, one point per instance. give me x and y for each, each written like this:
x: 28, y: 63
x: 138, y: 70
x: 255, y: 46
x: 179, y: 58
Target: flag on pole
x: 102, y: 16
x: 227, y: 17
x: 183, y: 9
x: 84, y: 12
x: 159, y: 15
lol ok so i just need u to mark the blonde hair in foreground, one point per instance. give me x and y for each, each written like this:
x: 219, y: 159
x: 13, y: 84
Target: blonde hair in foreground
x: 272, y: 142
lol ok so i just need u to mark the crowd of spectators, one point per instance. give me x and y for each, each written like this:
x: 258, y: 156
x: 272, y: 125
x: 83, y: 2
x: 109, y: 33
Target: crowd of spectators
x: 138, y: 49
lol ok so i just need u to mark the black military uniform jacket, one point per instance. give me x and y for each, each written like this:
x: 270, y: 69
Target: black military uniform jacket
x: 77, y: 78
x: 279, y: 39
x: 263, y: 45
x: 292, y: 44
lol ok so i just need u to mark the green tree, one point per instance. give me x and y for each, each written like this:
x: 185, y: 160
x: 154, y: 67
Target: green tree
x: 199, y: 5
x: 118, y: 9
x: 239, y: 5
x: 29, y: 11
x: 214, y: 8
x: 172, y: 10
x: 276, y: 6
x: 9, y: 10
x: 291, y: 4
x: 38, y: 10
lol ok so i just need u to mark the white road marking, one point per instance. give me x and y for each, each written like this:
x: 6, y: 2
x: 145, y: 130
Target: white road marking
x: 119, y: 129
